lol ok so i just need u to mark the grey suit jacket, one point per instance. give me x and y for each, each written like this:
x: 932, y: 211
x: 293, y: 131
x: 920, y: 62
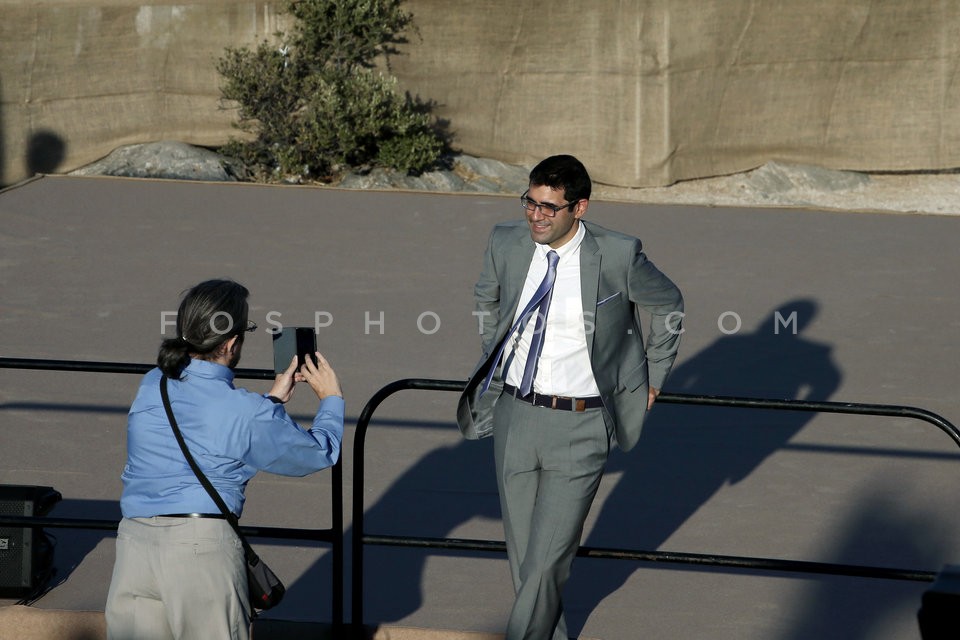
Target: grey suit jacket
x: 617, y: 283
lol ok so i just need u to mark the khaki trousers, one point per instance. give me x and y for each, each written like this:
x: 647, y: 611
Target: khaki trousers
x: 177, y: 579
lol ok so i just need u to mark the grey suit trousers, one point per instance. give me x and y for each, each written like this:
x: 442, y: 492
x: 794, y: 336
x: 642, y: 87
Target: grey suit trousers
x: 548, y: 464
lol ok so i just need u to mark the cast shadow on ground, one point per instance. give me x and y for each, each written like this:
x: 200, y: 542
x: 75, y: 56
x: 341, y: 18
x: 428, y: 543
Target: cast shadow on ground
x: 877, y: 533
x: 447, y: 487
x: 688, y: 453
x: 685, y: 453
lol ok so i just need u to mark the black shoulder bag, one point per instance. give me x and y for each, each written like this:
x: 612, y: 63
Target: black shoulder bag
x: 266, y: 590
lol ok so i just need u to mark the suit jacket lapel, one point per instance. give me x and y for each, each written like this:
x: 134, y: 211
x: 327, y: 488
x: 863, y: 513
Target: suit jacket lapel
x: 589, y: 284
x: 516, y: 262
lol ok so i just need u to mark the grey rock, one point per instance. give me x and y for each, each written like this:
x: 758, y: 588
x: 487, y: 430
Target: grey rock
x: 165, y: 159
x: 775, y: 178
x: 388, y: 179
x: 444, y: 181
x: 773, y: 184
x: 181, y: 161
x: 509, y: 178
x: 375, y: 179
x: 468, y: 174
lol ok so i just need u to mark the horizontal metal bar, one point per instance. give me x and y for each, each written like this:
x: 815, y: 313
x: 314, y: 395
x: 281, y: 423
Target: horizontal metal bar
x: 460, y: 544
x: 765, y: 564
x: 319, y: 535
x: 111, y: 367
x: 360, y: 538
x: 44, y: 522
x: 855, y: 408
x: 672, y: 557
x: 32, y: 522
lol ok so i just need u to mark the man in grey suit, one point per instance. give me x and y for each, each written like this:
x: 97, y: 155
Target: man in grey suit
x: 565, y: 373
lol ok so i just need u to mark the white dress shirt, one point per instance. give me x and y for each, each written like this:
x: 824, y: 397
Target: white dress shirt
x: 564, y: 368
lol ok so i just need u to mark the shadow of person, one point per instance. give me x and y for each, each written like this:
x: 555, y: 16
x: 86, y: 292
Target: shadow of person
x: 45, y: 152
x: 879, y: 531
x: 687, y: 453
x: 447, y: 487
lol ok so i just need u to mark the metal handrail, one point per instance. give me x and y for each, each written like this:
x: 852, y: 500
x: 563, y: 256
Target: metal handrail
x: 111, y: 367
x: 332, y: 535
x: 359, y: 538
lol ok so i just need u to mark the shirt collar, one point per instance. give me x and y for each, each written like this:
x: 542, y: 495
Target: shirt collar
x: 207, y: 369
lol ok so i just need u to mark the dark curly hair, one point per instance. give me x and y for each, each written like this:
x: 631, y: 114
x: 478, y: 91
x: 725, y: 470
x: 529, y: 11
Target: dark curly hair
x: 563, y: 172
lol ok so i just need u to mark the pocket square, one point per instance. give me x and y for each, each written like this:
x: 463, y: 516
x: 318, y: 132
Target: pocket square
x: 608, y: 299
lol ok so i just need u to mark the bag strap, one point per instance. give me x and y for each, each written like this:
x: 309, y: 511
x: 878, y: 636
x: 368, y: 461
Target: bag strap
x: 214, y: 495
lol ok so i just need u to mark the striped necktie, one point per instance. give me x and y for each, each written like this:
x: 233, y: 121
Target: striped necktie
x: 539, y: 304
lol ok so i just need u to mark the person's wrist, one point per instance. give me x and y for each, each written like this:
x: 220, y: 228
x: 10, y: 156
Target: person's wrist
x: 274, y: 399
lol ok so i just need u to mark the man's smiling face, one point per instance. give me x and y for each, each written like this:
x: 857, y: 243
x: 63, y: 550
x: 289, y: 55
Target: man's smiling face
x: 554, y: 229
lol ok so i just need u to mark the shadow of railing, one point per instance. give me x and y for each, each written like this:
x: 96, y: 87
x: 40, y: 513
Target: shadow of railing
x: 360, y: 538
x: 335, y: 534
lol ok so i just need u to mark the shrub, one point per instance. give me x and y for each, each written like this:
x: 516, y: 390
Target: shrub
x: 316, y: 105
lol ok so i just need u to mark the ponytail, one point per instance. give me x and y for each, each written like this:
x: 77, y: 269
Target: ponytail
x: 174, y: 356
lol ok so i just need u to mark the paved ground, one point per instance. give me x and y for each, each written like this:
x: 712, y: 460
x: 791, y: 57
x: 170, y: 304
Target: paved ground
x: 782, y: 303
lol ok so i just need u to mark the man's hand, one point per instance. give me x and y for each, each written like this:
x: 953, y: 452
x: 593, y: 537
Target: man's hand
x: 321, y: 377
x: 283, y: 384
x: 652, y: 397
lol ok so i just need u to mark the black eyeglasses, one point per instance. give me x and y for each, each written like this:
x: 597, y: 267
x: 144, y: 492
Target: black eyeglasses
x: 545, y: 208
x: 251, y: 326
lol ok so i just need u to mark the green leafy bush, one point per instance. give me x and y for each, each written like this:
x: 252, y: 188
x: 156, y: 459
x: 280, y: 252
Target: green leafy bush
x: 316, y: 105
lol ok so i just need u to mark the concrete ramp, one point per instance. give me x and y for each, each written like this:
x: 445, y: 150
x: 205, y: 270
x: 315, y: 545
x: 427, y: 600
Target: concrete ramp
x: 27, y: 623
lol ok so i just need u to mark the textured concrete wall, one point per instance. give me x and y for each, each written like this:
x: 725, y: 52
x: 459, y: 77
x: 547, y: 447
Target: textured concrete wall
x: 646, y: 93
x: 78, y: 79
x: 655, y: 91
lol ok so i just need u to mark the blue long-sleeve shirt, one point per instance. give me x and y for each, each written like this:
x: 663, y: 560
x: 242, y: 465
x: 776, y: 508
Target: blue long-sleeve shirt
x: 232, y: 433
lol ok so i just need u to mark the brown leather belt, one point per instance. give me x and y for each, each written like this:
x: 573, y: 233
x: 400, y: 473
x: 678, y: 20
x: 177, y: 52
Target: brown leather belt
x: 562, y: 403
